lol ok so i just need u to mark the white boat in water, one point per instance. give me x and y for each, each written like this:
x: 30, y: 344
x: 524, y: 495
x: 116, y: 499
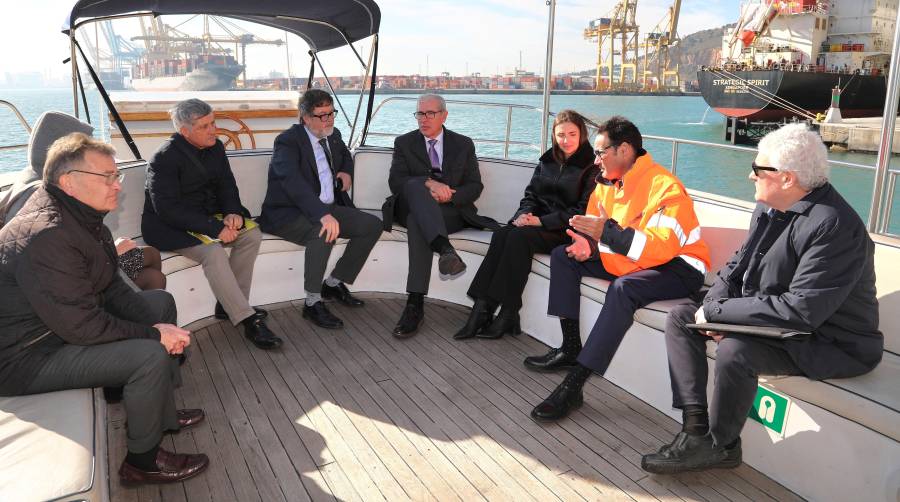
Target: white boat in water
x: 359, y: 415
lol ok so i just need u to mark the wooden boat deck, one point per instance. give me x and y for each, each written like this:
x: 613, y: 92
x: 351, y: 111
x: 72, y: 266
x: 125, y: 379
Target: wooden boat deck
x: 355, y: 414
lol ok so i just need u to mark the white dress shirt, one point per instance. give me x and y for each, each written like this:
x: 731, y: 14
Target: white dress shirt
x: 326, y: 195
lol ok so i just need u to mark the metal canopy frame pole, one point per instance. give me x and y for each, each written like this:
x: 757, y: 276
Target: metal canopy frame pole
x: 73, y: 62
x: 312, y: 70
x: 876, y: 216
x: 548, y: 68
x: 334, y: 94
x: 362, y: 88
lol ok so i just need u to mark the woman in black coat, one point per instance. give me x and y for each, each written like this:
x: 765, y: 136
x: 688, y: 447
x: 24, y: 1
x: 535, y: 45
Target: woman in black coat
x: 562, y: 182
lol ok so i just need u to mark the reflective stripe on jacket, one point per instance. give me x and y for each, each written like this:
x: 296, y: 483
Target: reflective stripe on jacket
x: 652, y: 221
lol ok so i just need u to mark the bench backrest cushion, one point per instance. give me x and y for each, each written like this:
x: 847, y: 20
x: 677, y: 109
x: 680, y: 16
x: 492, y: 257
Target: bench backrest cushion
x: 504, y: 183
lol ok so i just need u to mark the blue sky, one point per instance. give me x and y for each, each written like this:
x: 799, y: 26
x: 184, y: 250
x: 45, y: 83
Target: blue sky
x: 435, y: 35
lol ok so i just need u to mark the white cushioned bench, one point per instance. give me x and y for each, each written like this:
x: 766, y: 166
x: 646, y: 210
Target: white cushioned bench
x: 53, y: 447
x: 861, y: 414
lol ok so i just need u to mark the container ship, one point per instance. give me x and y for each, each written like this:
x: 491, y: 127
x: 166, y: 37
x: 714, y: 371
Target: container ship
x: 197, y: 72
x: 796, y: 59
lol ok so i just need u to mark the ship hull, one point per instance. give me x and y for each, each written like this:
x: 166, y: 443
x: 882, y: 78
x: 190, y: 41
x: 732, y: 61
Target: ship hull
x: 732, y: 95
x: 202, y: 79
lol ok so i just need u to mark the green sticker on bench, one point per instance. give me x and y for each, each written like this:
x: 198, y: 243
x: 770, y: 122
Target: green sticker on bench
x: 770, y: 409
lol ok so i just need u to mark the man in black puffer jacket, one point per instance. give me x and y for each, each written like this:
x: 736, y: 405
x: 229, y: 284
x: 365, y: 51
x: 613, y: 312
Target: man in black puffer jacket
x: 68, y: 320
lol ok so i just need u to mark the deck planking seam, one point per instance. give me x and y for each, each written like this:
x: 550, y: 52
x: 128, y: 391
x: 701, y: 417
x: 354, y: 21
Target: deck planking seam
x: 368, y: 431
x: 420, y: 419
x: 465, y: 403
x: 406, y: 437
x: 515, y: 417
x: 757, y: 487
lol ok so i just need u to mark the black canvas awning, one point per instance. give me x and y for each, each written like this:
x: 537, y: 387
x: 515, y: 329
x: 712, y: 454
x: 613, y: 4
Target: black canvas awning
x: 324, y: 24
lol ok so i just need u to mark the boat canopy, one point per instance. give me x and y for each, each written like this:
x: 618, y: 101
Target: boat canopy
x: 323, y: 24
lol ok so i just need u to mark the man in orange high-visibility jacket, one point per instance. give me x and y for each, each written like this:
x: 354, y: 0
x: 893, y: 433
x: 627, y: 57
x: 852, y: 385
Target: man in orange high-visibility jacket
x: 640, y: 233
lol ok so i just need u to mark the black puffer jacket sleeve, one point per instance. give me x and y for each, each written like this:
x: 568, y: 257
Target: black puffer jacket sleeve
x: 54, y: 278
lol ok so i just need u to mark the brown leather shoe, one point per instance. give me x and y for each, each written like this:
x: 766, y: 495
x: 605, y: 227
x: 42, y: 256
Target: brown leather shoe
x: 171, y: 468
x: 189, y: 417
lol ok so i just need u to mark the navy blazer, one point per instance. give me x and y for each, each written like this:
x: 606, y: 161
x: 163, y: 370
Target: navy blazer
x: 459, y: 171
x: 179, y: 196
x: 293, y: 187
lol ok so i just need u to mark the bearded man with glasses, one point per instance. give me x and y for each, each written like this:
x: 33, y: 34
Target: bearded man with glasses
x: 307, y: 203
x: 434, y: 182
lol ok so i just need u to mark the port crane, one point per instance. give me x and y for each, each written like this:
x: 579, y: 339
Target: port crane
x: 163, y: 41
x: 620, y: 25
x: 656, y: 51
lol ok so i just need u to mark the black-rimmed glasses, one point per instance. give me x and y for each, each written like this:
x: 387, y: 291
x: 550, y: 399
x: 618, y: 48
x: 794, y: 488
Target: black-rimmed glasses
x: 601, y: 151
x: 757, y: 168
x: 430, y: 114
x: 326, y: 116
x: 110, y: 177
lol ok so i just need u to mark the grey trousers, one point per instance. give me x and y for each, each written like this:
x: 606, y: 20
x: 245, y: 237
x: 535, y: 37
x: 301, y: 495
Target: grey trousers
x: 425, y: 220
x: 147, y: 372
x: 229, y: 277
x: 363, y: 230
x: 739, y: 362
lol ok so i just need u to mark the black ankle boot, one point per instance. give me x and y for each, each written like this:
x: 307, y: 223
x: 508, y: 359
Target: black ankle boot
x: 506, y: 323
x: 566, y: 397
x: 564, y: 357
x: 481, y: 316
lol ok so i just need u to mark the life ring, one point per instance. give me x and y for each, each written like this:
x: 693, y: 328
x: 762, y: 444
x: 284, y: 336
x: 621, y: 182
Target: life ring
x: 232, y: 139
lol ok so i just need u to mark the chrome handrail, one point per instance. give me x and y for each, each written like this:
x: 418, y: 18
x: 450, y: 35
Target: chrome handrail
x: 21, y: 120
x: 885, y: 209
x: 506, y: 142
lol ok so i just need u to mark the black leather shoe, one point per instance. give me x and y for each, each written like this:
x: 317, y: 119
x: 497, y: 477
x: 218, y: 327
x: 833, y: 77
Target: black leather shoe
x: 450, y: 263
x: 563, y: 400
x: 170, y: 467
x: 256, y: 331
x: 692, y: 453
x: 221, y: 314
x: 504, y: 324
x: 410, y: 320
x: 319, y: 314
x: 553, y: 360
x: 341, y: 294
x: 480, y: 318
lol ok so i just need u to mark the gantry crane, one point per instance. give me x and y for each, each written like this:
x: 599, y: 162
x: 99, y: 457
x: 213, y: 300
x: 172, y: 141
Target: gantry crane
x: 164, y: 42
x: 605, y: 31
x: 656, y: 52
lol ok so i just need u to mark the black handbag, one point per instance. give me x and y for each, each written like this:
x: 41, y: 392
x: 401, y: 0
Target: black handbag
x: 387, y: 213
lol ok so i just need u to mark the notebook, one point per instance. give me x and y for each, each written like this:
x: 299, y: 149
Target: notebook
x: 763, y: 331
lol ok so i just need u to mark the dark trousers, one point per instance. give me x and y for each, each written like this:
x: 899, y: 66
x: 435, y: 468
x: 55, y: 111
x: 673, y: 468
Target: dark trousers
x: 361, y: 228
x: 504, y: 272
x: 147, y: 372
x: 740, y: 360
x: 425, y: 220
x: 625, y: 295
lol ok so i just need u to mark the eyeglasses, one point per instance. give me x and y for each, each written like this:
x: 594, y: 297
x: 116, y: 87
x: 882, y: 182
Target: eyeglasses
x: 430, y: 114
x: 602, y: 151
x: 757, y: 168
x: 110, y: 177
x: 326, y: 116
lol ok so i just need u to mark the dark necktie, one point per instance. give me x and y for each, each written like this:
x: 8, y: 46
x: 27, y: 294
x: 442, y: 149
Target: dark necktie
x: 324, y: 144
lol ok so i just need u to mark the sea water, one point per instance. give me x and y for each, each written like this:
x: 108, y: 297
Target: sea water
x: 686, y: 117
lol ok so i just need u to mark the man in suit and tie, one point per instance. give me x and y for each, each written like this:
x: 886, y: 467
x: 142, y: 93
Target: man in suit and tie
x: 307, y: 203
x: 435, y: 182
